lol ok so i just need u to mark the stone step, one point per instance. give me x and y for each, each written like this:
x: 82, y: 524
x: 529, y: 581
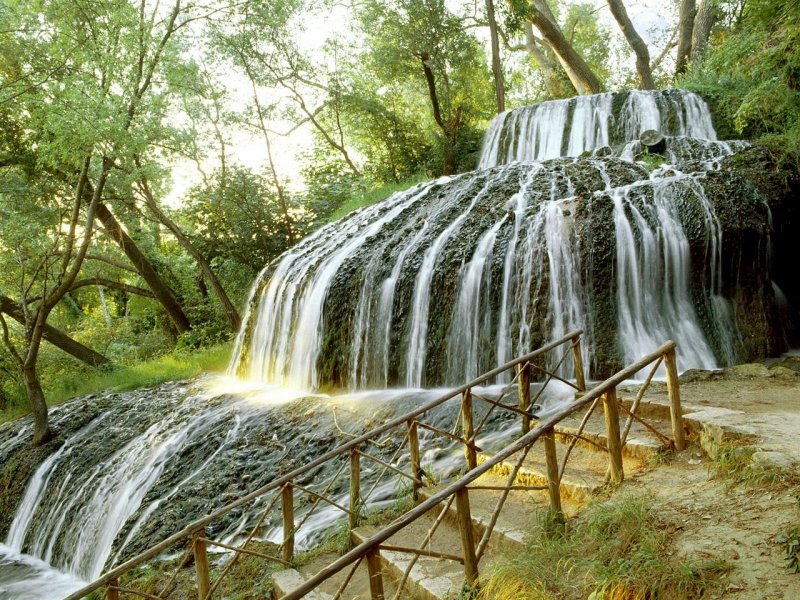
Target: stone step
x: 641, y: 443
x: 585, y: 473
x: 430, y: 578
x: 289, y: 580
x: 519, y: 509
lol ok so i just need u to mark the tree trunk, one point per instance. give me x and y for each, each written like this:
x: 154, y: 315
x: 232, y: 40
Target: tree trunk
x: 227, y: 306
x: 41, y: 429
x: 145, y: 268
x: 686, y: 14
x: 497, y: 67
x: 636, y: 43
x: 580, y: 74
x: 449, y: 130
x: 542, y: 61
x: 56, y: 337
x: 703, y: 23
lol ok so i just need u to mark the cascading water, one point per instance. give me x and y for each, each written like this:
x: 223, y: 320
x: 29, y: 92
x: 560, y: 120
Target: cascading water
x: 453, y: 278
x: 583, y: 124
x: 560, y: 228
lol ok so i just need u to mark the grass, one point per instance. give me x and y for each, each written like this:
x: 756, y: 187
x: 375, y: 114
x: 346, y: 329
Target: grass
x: 249, y: 579
x: 614, y: 550
x: 370, y: 197
x: 174, y: 366
x: 791, y: 545
x: 791, y: 548
x: 734, y: 462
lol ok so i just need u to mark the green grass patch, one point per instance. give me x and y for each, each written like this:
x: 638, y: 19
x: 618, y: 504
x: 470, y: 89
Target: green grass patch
x: 617, y: 549
x: 174, y: 366
x: 734, y: 462
x: 376, y: 194
x: 249, y: 579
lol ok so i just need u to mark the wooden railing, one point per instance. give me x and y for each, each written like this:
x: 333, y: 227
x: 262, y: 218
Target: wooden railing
x: 405, y: 463
x: 459, y: 490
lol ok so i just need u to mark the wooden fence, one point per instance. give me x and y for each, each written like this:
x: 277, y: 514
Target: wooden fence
x: 405, y: 463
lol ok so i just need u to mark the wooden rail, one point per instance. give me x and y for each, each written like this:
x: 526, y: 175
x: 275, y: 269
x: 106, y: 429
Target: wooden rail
x: 459, y: 489
x: 347, y: 449
x: 285, y: 488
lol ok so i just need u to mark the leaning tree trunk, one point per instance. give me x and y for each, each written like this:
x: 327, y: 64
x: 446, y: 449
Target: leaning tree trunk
x: 33, y: 387
x: 580, y: 74
x: 703, y: 23
x: 542, y: 61
x: 145, y: 268
x: 635, y: 41
x: 227, y: 306
x: 497, y: 67
x: 686, y: 15
x: 55, y: 336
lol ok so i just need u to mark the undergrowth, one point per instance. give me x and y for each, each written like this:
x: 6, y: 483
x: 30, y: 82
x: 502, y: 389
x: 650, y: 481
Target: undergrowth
x: 791, y: 545
x: 734, y: 462
x: 372, y: 196
x: 617, y: 549
x: 174, y: 366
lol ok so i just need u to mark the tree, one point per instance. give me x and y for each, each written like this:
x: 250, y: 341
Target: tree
x: 580, y: 74
x: 238, y: 218
x: 82, y: 83
x: 263, y: 41
x: 635, y: 41
x: 423, y: 42
x: 227, y: 306
x: 55, y: 336
x: 686, y: 14
x: 497, y: 67
x: 707, y: 15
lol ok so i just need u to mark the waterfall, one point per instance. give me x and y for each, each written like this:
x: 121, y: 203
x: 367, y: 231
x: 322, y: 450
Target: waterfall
x: 472, y: 314
x: 654, y: 268
x: 448, y: 279
x: 72, y: 519
x: 559, y: 229
x: 573, y: 126
x: 557, y: 255
x: 415, y: 357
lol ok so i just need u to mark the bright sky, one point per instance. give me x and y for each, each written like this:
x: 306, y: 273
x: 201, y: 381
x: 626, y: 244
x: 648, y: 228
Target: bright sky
x: 651, y: 18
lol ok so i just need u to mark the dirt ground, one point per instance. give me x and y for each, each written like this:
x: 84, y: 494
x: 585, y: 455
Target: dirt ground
x: 744, y: 523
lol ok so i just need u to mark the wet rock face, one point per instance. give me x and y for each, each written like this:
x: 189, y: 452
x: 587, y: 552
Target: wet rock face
x: 19, y: 459
x: 633, y: 244
x: 440, y: 283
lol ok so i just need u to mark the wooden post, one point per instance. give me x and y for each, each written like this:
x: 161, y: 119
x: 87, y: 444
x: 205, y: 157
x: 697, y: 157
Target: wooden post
x: 553, y: 482
x: 416, y: 467
x: 674, y: 391
x: 467, y: 538
x: 287, y: 509
x: 355, y: 487
x: 524, y: 393
x: 577, y: 359
x: 612, y: 432
x: 468, y: 430
x: 112, y: 593
x: 375, y: 574
x: 201, y: 564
